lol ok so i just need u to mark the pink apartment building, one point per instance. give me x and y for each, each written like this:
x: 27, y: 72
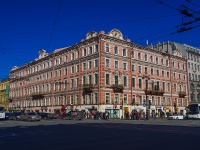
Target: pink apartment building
x: 103, y: 72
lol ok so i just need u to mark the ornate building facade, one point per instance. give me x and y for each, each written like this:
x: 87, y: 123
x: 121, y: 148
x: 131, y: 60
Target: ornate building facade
x: 4, y: 93
x: 103, y: 72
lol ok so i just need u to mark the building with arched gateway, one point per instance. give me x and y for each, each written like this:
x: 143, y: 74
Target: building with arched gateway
x: 103, y: 72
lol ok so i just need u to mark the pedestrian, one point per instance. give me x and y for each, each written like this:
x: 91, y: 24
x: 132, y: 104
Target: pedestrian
x: 147, y: 116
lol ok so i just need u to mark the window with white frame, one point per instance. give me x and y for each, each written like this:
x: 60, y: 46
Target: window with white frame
x: 133, y: 54
x: 96, y: 78
x: 71, y: 99
x: 116, y: 99
x: 96, y: 48
x: 77, y: 68
x: 107, y: 48
x: 125, y: 81
x: 107, y: 79
x: 139, y: 69
x: 124, y: 52
x: 139, y: 56
x: 116, y: 64
x: 96, y: 64
x: 66, y: 58
x: 95, y: 98
x: 89, y: 98
x: 133, y: 67
x: 84, y: 66
x: 84, y: 99
x: 116, y: 49
x: 84, y: 52
x: 125, y: 66
x: 90, y: 64
x: 151, y: 59
x: 72, y: 69
x: 107, y: 98
x: 72, y: 56
x: 107, y: 62
x: 72, y: 83
x: 90, y: 79
x: 145, y: 57
x: 116, y: 80
x: 77, y: 82
x: 90, y: 50
x: 157, y: 60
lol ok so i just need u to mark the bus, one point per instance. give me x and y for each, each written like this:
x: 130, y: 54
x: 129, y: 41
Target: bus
x: 2, y: 113
x: 193, y: 111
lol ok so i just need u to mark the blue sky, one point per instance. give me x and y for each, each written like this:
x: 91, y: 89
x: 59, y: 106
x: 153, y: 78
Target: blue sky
x: 26, y: 26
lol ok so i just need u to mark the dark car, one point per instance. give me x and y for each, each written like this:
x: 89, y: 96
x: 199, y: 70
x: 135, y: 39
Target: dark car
x: 15, y: 116
x: 53, y: 115
x: 45, y: 115
x: 7, y: 115
x: 32, y: 116
x: 74, y: 115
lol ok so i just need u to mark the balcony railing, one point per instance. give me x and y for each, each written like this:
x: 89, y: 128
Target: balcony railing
x: 37, y: 95
x: 182, y: 94
x: 87, y: 88
x: 151, y: 91
x: 118, y: 88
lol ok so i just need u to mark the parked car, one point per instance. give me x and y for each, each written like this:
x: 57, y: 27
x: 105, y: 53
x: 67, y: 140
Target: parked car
x: 32, y: 116
x: 177, y: 117
x: 15, y: 116
x: 45, y: 115
x: 74, y: 115
x: 7, y: 115
x: 53, y: 115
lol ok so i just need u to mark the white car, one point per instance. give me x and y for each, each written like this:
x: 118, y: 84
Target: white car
x: 177, y: 117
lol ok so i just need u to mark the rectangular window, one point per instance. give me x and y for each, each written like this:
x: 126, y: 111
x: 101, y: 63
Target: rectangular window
x: 133, y: 54
x: 139, y: 69
x: 133, y: 82
x: 162, y: 62
x: 125, y: 81
x: 168, y: 74
x: 168, y: 87
x: 96, y: 63
x: 72, y: 83
x: 107, y: 62
x: 107, y: 79
x: 151, y: 71
x: 133, y: 67
x: 95, y: 98
x: 84, y: 66
x: 163, y: 86
x: 72, y: 69
x: 116, y: 80
x: 116, y: 49
x: 146, y: 71
x: 84, y: 52
x: 90, y: 50
x: 77, y: 82
x: 77, y: 68
x: 116, y: 99
x: 157, y: 71
x: 157, y: 60
x: 140, y: 83
x: 90, y: 79
x: 174, y: 87
x: 96, y: 48
x: 167, y: 62
x: 116, y: 64
x: 96, y: 79
x: 163, y: 73
x: 90, y: 65
x: 124, y: 66
x: 107, y: 98
x: 124, y: 52
x: 107, y: 48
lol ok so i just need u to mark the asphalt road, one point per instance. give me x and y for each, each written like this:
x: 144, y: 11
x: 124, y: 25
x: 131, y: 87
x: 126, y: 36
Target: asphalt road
x: 99, y: 135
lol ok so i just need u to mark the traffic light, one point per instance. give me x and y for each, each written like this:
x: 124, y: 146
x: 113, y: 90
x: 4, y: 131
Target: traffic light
x: 149, y: 102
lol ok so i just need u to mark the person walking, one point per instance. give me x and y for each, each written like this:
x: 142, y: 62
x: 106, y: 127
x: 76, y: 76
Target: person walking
x: 147, y: 116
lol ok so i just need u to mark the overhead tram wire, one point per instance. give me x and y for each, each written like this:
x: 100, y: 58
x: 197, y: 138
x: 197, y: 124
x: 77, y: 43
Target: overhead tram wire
x: 193, y: 3
x: 88, y: 25
x: 54, y: 24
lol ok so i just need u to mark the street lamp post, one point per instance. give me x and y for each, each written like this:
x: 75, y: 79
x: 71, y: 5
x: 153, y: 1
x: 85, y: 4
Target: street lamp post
x: 146, y: 77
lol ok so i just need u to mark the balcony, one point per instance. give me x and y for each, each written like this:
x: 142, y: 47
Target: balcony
x: 151, y: 91
x: 182, y: 94
x: 87, y: 88
x: 37, y: 95
x: 117, y: 88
